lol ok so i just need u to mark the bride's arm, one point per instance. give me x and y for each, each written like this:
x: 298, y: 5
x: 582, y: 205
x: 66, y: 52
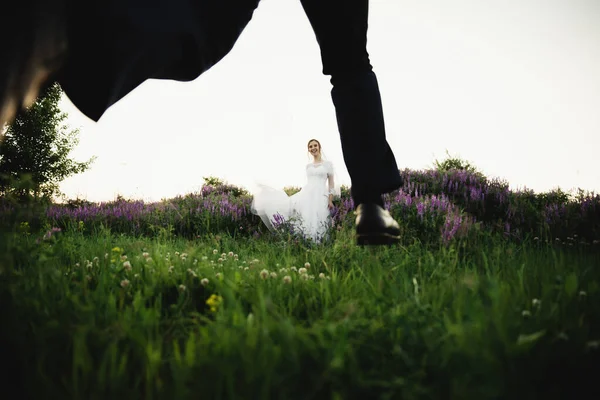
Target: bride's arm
x: 331, y: 183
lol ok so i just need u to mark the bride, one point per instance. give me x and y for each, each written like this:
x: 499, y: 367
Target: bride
x: 307, y: 210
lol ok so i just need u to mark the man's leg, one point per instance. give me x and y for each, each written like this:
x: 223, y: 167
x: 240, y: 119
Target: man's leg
x: 340, y: 27
x: 113, y: 46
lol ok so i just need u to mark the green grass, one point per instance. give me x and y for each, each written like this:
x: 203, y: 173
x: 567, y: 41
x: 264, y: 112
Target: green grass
x: 481, y: 320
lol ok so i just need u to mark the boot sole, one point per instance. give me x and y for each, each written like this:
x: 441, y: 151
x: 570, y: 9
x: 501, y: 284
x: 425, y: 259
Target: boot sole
x: 377, y: 239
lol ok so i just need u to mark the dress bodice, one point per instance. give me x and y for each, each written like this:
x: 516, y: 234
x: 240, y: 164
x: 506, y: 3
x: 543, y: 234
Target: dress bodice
x: 317, y: 173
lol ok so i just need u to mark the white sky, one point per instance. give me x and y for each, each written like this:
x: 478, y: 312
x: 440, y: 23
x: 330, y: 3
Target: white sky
x: 512, y: 86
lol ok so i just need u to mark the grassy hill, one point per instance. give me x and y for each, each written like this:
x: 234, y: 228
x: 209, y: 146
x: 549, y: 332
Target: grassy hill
x: 492, y: 294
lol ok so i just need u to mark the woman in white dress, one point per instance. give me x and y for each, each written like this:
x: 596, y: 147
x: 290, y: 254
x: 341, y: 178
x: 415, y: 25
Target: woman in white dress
x: 308, y: 210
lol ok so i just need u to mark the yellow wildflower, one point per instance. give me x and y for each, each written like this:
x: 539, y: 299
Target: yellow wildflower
x: 213, y: 302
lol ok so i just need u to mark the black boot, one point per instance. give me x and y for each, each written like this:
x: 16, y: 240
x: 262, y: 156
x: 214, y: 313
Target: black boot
x: 375, y: 226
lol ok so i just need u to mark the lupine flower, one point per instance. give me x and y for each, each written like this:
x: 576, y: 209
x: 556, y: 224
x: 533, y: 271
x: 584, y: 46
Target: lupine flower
x: 436, y: 205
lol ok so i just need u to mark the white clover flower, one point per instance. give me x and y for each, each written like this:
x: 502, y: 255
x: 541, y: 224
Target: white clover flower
x: 171, y: 268
x: 215, y: 251
x: 322, y: 275
x: 182, y: 288
x: 127, y: 265
x: 307, y: 265
x: 593, y: 344
x: 526, y: 314
x: 293, y: 268
x: 273, y: 274
x: 287, y: 279
x: 123, y: 258
x: 204, y: 282
x: 230, y: 254
x: 219, y: 275
x: 124, y: 283
x: 536, y: 303
x: 302, y: 271
x: 264, y: 274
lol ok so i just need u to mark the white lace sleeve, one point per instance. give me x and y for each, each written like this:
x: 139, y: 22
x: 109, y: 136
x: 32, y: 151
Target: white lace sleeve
x: 334, y: 187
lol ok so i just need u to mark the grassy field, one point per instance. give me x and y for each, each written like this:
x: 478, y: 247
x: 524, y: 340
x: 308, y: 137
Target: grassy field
x: 119, y: 317
x: 496, y: 297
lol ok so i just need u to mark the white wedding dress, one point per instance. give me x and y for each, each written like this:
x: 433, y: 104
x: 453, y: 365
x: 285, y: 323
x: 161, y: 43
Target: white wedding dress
x: 307, y: 211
